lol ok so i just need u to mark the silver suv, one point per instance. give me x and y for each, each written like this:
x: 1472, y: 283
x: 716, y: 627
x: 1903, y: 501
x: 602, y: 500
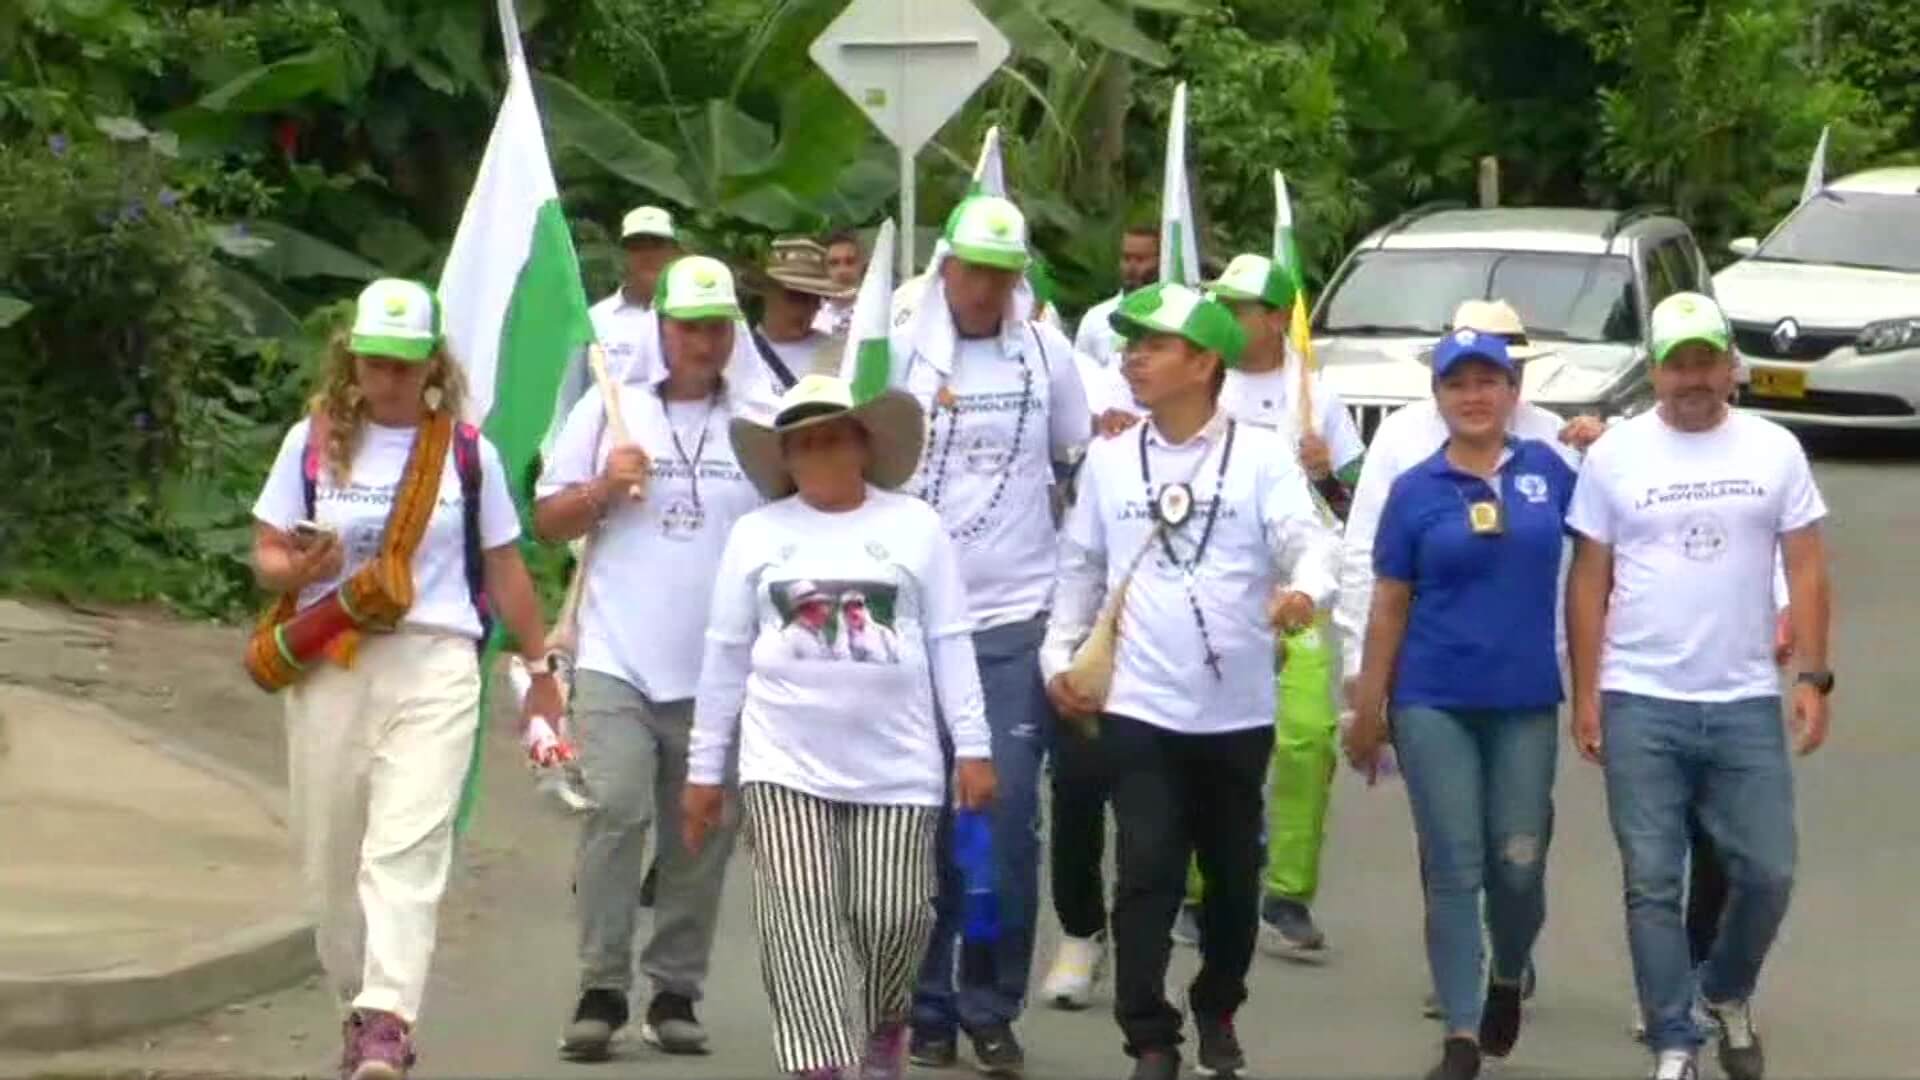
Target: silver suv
x: 1583, y: 281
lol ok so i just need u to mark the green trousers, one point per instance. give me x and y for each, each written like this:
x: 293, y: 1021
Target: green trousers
x: 1300, y: 777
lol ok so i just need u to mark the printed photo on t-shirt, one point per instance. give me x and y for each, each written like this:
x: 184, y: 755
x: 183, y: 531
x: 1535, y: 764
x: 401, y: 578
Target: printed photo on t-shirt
x: 838, y: 620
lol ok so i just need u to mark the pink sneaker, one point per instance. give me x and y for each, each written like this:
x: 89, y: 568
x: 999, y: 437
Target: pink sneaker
x: 379, y: 1046
x: 886, y: 1048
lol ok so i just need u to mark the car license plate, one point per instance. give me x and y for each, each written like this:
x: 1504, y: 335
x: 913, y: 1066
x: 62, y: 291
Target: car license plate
x: 1779, y: 382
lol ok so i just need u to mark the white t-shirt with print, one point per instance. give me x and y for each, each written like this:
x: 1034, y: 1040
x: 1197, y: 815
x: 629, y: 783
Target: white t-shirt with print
x: 357, y: 512
x: 987, y: 466
x: 840, y: 610
x: 813, y: 354
x: 1694, y: 520
x: 1271, y: 399
x: 643, y: 611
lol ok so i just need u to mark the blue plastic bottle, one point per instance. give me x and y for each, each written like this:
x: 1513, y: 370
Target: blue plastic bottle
x: 973, y: 853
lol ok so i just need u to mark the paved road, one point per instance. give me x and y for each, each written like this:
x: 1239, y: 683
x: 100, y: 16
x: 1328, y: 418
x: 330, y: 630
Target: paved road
x: 1837, y: 1000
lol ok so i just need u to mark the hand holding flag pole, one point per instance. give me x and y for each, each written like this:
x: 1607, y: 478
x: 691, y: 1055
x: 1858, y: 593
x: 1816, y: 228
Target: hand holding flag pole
x: 610, y: 393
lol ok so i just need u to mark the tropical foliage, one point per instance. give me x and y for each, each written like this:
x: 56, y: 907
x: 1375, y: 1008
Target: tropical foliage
x: 186, y: 186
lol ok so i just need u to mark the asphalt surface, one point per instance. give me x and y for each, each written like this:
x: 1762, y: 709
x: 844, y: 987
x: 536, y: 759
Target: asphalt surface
x: 1837, y: 999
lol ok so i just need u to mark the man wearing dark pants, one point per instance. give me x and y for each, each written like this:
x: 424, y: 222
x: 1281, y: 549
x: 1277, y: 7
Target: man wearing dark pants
x: 1206, y: 532
x: 1004, y: 407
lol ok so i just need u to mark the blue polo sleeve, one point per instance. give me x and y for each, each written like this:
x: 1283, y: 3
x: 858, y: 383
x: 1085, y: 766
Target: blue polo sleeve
x: 1396, y: 544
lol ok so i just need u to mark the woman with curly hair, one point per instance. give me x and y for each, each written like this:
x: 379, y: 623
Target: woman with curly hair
x: 388, y: 528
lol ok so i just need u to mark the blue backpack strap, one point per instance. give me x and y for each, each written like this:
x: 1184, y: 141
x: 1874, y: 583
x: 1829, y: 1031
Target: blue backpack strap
x: 466, y: 461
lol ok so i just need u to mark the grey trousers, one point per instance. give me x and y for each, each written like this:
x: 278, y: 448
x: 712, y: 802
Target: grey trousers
x: 633, y: 757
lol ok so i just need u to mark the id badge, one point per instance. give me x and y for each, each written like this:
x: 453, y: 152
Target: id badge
x: 1485, y: 518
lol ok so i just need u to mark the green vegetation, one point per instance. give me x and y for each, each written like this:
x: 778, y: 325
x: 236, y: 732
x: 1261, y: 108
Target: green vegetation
x: 189, y: 187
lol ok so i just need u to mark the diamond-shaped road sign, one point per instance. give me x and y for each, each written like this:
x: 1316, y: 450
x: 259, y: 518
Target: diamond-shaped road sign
x: 910, y: 64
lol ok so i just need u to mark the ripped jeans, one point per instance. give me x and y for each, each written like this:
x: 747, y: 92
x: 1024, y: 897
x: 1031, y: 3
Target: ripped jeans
x: 1481, y: 785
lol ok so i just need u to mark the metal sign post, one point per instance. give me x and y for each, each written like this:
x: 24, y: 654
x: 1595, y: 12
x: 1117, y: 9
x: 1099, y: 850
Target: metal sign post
x: 910, y: 65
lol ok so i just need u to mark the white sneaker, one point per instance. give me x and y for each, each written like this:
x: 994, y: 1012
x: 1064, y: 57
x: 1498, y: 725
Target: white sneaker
x: 1638, y: 1027
x: 1675, y: 1065
x: 1076, y: 967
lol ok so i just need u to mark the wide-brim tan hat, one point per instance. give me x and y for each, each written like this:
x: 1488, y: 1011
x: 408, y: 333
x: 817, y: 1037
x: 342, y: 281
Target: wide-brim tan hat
x: 799, y: 264
x: 896, y: 430
x: 1496, y: 317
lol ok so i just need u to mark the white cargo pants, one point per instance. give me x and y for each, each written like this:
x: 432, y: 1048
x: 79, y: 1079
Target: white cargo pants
x: 376, y: 757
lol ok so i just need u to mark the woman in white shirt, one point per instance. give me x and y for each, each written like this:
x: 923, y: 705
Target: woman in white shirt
x: 840, y: 765
x: 382, y: 712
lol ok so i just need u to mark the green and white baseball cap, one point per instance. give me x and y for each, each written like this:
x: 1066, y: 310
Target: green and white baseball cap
x: 646, y: 221
x: 696, y: 287
x: 1172, y: 308
x: 396, y: 319
x: 1688, y: 316
x: 1255, y: 277
x: 989, y: 231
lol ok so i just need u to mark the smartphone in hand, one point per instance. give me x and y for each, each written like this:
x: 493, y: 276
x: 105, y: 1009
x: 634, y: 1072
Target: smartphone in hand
x: 307, y: 534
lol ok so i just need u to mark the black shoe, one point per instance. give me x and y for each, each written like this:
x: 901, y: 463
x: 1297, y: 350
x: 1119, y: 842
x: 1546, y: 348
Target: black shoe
x: 1500, y: 1020
x: 590, y: 1036
x: 1287, y: 931
x: 672, y: 1027
x: 1740, y: 1055
x: 1156, y: 1065
x: 997, y: 1053
x: 1459, y: 1060
x: 1220, y: 1053
x: 932, y: 1049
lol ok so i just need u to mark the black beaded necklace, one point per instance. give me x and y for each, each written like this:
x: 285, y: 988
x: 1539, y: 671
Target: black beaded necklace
x: 977, y: 525
x: 1190, y: 568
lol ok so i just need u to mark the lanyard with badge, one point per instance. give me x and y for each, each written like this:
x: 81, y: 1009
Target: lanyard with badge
x: 1485, y: 516
x: 1172, y: 508
x: 690, y: 521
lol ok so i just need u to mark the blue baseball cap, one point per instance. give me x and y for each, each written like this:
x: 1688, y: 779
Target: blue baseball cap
x: 1461, y: 345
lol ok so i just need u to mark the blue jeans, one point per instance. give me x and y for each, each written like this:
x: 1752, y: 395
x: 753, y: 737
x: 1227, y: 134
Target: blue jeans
x: 1726, y: 763
x: 1023, y: 729
x: 1481, y: 785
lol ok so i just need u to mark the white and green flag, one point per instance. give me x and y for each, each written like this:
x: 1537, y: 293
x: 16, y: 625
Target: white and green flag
x: 1179, y: 247
x: 1816, y: 169
x: 868, y: 365
x: 516, y: 312
x: 1286, y: 252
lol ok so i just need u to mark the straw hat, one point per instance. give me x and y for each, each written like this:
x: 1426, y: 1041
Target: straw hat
x: 1496, y: 317
x: 799, y: 264
x: 895, y: 430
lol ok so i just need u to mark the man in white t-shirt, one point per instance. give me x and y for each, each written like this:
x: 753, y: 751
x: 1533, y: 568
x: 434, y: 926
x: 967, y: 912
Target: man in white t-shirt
x: 1004, y: 406
x: 1410, y: 435
x: 846, y: 265
x: 1209, y: 527
x: 623, y: 322
x: 659, y: 509
x: 1096, y: 346
x: 1670, y: 614
x: 793, y: 288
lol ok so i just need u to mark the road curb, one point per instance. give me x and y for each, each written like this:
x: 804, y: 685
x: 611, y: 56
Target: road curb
x: 63, y: 1012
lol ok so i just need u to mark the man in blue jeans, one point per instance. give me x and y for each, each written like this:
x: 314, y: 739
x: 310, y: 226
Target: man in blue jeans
x: 1670, y: 620
x: 1004, y: 405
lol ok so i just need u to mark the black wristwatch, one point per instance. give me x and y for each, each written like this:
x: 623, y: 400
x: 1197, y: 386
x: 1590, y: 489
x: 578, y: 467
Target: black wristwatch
x: 1819, y: 680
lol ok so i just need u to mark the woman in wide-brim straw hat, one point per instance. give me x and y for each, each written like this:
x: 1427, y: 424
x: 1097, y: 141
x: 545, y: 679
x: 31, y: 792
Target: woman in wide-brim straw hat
x: 380, y: 726
x: 840, y: 764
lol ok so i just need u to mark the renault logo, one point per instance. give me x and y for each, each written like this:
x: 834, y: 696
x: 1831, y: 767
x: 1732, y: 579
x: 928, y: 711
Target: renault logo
x: 1785, y: 333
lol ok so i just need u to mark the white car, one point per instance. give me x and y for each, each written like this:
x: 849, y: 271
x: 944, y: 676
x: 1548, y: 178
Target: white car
x: 1583, y: 282
x: 1826, y: 310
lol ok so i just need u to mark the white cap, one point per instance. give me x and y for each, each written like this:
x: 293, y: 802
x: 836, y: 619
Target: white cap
x: 647, y: 221
x: 396, y: 319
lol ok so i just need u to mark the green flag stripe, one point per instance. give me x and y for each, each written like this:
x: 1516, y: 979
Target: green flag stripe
x: 872, y: 370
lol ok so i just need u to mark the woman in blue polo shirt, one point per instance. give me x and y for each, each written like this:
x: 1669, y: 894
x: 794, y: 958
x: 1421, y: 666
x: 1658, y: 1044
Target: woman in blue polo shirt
x: 1460, y: 648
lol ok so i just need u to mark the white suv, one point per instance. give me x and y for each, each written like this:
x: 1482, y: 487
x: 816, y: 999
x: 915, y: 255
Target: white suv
x: 1826, y: 310
x: 1583, y: 281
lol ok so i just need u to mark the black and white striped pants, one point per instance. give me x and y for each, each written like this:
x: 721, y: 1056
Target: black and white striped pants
x: 843, y: 894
